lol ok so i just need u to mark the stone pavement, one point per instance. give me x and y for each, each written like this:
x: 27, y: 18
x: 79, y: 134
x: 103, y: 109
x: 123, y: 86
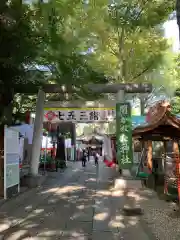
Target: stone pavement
x: 79, y: 204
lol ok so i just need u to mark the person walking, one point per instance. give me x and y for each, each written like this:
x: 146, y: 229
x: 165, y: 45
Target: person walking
x: 96, y: 158
x: 84, y: 158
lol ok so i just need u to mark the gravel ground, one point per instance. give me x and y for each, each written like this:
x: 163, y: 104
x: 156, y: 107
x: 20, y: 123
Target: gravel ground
x: 161, y: 217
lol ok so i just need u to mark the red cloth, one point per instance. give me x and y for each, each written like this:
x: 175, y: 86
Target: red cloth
x: 27, y: 117
x: 109, y: 163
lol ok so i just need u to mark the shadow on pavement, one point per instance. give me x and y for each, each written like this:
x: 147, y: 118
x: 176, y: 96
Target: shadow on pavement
x: 82, y: 204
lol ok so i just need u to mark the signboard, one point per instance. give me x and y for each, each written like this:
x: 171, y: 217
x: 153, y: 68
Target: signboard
x: 138, y: 120
x: 124, y: 135
x: 79, y: 114
x: 11, y: 160
x: 12, y: 175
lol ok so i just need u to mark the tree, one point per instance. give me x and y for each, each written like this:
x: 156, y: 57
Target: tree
x: 178, y: 13
x: 69, y: 65
x: 44, y: 40
x: 19, y: 48
x: 127, y: 36
x: 175, y: 104
x: 167, y: 73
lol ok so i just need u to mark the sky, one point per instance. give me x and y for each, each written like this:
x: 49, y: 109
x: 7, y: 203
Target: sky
x: 172, y: 32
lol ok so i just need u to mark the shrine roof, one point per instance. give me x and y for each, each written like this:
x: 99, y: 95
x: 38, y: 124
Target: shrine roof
x: 93, y: 141
x: 159, y: 115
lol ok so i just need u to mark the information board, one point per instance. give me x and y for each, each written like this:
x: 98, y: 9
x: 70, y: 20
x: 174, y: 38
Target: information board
x: 11, y: 159
x: 124, y: 135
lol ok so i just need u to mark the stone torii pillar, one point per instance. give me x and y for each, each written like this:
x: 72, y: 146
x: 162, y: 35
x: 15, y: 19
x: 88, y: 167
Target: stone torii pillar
x: 37, y: 134
x: 120, y: 96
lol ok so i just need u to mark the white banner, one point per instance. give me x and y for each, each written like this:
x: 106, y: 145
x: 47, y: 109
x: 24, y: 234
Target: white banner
x: 79, y: 115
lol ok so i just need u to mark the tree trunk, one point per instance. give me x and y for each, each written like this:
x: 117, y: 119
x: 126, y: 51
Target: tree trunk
x: 60, y: 153
x: 1, y: 160
x: 6, y: 101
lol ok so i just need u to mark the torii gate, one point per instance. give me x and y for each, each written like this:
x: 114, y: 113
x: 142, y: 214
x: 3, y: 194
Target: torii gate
x: 119, y: 89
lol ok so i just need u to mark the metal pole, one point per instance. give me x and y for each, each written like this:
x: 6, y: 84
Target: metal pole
x: 120, y: 99
x: 45, y: 154
x: 142, y: 106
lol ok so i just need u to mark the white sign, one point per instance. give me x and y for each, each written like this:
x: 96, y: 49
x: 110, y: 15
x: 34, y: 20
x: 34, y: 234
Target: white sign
x: 11, y: 140
x: 68, y: 143
x: 11, y: 159
x: 79, y: 115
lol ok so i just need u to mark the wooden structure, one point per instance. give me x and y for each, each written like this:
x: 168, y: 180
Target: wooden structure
x: 160, y: 156
x: 95, y: 88
x: 93, y: 141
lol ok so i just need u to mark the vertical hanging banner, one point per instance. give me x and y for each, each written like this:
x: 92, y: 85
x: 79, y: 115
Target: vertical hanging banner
x: 124, y: 135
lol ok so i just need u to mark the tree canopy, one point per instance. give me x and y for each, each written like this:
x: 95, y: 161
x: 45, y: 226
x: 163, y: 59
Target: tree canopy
x: 20, y: 45
x: 32, y: 35
x: 125, y: 39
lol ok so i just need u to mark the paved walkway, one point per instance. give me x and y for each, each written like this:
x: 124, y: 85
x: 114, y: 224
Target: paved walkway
x: 81, y: 204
